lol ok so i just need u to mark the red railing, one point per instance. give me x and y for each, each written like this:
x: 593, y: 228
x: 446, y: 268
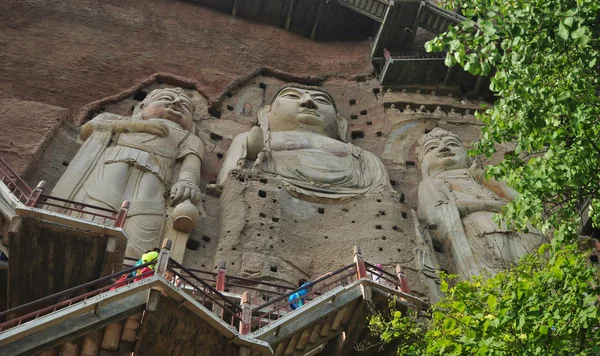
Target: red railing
x: 68, y: 297
x: 272, y: 310
x: 36, y: 198
x: 13, y: 181
x: 209, y: 296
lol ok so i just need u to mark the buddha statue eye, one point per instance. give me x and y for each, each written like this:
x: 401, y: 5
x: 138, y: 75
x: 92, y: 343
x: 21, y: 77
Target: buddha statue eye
x: 452, y: 144
x: 431, y: 148
x: 291, y: 96
x: 322, y: 100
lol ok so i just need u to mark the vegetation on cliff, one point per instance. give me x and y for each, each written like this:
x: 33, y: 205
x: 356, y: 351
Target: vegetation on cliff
x: 543, y: 60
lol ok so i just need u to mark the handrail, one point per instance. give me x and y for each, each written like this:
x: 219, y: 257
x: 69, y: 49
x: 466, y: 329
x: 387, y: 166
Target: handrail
x: 177, y: 265
x: 377, y: 270
x: 15, y: 182
x: 67, y: 302
x: 74, y: 289
x: 76, y: 203
x: 308, y: 285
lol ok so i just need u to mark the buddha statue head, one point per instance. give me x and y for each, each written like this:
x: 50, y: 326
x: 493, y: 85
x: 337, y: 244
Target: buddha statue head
x: 441, y: 150
x: 172, y: 104
x: 303, y: 108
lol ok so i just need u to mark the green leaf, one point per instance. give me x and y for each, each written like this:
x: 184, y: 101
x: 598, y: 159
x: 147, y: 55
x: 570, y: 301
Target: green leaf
x: 492, y: 302
x: 563, y: 31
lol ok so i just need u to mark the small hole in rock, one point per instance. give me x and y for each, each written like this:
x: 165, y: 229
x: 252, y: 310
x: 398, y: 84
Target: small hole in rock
x: 381, y: 212
x: 383, y: 238
x: 262, y: 215
x: 410, y: 163
x: 233, y: 248
x: 229, y: 95
x: 262, y: 194
x: 437, y: 245
x: 214, y: 136
x: 192, y: 245
x: 402, y: 197
x: 273, y: 268
x: 427, y: 131
x: 399, y: 250
x: 363, y: 112
x: 275, y: 201
x: 271, y: 246
x: 205, y: 238
x: 381, y: 249
x: 352, y: 101
x: 404, y: 215
x: 229, y: 107
x: 379, y: 200
x: 321, y: 210
x: 379, y: 133
x: 219, y: 155
x: 392, y: 182
x: 369, y: 123
x: 275, y: 219
x: 326, y: 237
x: 263, y: 180
x: 65, y: 163
x: 395, y: 227
x: 262, y: 85
x: 282, y: 241
x: 352, y: 221
x: 353, y: 117
x: 214, y: 112
x: 357, y: 134
x: 140, y: 95
x: 378, y: 227
x: 376, y: 90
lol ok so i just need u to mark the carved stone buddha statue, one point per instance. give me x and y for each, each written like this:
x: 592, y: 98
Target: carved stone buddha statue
x: 302, y: 140
x: 457, y: 206
x: 146, y: 159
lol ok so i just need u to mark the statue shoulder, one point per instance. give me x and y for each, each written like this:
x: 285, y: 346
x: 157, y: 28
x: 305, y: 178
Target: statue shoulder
x: 107, y: 116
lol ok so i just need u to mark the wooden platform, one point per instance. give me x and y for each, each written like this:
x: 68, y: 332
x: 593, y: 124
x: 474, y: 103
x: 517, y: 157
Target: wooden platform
x: 52, y: 252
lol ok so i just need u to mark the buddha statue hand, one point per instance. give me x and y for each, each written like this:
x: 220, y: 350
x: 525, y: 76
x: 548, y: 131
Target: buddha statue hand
x: 184, y: 189
x: 256, y: 143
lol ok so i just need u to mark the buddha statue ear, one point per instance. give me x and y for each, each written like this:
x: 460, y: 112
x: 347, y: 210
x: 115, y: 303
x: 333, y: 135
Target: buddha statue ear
x: 263, y: 118
x: 342, y: 128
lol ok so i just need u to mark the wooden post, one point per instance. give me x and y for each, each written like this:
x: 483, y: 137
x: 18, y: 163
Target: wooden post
x: 163, y: 258
x: 361, y: 270
x: 120, y: 220
x: 220, y: 286
x: 34, y: 198
x: 403, y: 280
x: 221, y: 273
x: 246, y: 324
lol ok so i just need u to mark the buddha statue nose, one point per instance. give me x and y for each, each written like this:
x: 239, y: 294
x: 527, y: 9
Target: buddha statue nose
x: 176, y: 103
x: 308, y: 103
x: 444, y: 148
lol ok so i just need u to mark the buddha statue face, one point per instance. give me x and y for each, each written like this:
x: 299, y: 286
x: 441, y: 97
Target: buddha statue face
x: 170, y: 104
x: 442, y: 151
x: 303, y: 109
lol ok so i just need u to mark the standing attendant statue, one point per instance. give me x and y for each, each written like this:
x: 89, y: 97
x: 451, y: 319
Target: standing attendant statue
x: 149, y: 158
x: 457, y: 206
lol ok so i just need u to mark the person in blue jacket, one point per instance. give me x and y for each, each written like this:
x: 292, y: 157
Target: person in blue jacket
x: 296, y: 300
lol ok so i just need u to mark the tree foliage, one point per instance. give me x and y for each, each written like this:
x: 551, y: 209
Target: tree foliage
x: 547, y: 305
x: 543, y: 60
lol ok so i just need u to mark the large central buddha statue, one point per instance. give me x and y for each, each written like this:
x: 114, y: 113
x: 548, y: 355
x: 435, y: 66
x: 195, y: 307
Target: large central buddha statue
x: 303, y: 140
x: 457, y: 205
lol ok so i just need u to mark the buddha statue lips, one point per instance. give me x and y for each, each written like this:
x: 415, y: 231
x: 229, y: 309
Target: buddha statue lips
x: 302, y: 140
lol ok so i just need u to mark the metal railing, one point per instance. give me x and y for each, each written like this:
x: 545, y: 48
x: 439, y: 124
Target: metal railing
x: 14, y: 182
x: 70, y: 296
x: 266, y: 313
x: 209, y: 295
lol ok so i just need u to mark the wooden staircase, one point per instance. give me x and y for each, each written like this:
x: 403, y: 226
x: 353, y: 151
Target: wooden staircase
x: 374, y: 9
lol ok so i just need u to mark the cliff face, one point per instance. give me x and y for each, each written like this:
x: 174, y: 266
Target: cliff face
x: 64, y: 61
